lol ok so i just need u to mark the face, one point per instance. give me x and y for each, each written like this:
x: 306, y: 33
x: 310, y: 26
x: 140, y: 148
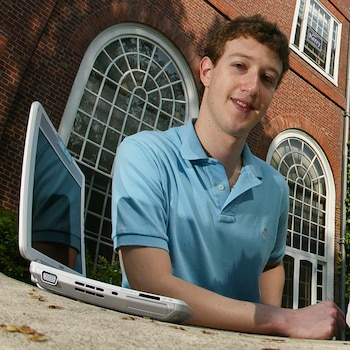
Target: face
x: 240, y: 87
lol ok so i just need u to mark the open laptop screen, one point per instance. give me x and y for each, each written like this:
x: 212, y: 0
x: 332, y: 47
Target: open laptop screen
x: 51, y: 199
x: 51, y: 229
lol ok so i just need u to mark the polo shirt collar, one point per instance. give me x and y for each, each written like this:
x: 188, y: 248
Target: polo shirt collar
x: 191, y: 149
x: 251, y: 163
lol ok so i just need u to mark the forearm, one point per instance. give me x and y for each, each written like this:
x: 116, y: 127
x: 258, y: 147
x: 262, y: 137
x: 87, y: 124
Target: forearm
x: 272, y: 284
x: 216, y: 311
x: 211, y: 310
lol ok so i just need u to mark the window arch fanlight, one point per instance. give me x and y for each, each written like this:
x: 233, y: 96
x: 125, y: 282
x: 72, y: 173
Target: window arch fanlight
x: 309, y: 260
x: 131, y: 78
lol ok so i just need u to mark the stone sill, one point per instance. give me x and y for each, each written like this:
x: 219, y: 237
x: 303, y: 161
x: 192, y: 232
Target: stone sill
x: 60, y: 323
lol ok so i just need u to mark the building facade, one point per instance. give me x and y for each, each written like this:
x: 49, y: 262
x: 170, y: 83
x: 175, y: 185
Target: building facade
x: 107, y: 69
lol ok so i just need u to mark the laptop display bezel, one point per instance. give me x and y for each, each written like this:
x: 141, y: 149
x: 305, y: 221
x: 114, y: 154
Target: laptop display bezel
x: 38, y: 120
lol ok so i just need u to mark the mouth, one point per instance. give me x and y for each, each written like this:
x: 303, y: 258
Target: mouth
x: 243, y: 105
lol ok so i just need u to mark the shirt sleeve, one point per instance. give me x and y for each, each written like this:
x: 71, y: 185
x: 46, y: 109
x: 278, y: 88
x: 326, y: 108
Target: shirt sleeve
x: 138, y: 206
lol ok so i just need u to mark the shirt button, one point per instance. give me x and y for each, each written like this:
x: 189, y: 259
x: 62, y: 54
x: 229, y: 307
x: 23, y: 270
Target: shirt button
x: 221, y: 187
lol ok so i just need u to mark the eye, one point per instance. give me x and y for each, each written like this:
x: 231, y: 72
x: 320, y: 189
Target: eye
x: 269, y: 80
x: 238, y: 65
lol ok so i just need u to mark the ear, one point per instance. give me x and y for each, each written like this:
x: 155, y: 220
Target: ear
x: 205, y: 69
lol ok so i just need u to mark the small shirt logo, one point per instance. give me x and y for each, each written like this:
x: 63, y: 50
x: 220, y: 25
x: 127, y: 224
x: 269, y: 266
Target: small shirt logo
x: 264, y: 233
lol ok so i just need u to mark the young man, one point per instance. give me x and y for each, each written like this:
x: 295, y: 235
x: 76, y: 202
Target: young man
x: 197, y: 217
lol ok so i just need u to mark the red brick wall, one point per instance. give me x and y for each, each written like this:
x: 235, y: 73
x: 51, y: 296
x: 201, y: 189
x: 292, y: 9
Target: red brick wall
x: 21, y: 27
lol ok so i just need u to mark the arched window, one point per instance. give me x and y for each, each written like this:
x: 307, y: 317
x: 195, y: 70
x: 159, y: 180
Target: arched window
x: 309, y: 261
x: 132, y: 78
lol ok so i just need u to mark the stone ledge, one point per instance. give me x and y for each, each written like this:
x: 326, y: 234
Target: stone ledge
x: 69, y: 324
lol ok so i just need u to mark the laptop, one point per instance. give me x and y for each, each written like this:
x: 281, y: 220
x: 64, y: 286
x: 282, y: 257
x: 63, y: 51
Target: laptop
x: 51, y: 229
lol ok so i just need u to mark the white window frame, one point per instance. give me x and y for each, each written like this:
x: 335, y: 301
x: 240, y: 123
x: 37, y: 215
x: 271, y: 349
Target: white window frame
x: 98, y: 218
x: 298, y: 255
x: 93, y: 51
x: 300, y: 50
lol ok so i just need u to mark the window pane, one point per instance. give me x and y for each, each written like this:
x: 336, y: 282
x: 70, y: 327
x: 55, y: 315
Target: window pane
x: 114, y: 49
x: 90, y: 153
x: 305, y: 283
x: 75, y: 144
x: 123, y: 99
x: 108, y: 91
x: 81, y: 123
x: 287, y: 300
x: 163, y: 122
x: 102, y: 62
x: 102, y: 110
x: 96, y: 202
x: 320, y: 282
x: 117, y: 119
x: 106, y: 162
x: 87, y: 102
x: 94, y: 82
x: 111, y: 140
x: 131, y: 126
x: 96, y: 131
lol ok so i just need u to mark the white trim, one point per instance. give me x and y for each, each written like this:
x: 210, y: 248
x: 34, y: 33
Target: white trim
x: 330, y: 209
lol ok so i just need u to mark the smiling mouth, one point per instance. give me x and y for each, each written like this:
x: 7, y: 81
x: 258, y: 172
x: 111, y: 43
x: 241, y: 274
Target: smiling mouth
x: 243, y: 104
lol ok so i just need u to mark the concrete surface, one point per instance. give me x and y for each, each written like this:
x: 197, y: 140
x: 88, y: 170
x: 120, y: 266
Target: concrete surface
x: 31, y: 318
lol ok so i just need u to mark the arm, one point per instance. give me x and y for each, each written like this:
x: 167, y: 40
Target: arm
x: 271, y: 284
x: 149, y: 269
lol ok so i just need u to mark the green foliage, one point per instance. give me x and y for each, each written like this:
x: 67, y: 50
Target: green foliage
x: 104, y: 270
x: 11, y: 262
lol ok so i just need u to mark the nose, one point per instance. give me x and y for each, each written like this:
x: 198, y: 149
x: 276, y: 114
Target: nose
x: 250, y: 83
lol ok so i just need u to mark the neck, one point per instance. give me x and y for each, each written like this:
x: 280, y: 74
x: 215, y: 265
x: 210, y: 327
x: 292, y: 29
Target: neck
x: 223, y: 147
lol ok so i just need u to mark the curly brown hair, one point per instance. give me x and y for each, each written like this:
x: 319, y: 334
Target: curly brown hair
x: 256, y: 27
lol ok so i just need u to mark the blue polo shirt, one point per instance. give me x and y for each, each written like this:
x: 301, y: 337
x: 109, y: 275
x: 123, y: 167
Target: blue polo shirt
x: 168, y: 194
